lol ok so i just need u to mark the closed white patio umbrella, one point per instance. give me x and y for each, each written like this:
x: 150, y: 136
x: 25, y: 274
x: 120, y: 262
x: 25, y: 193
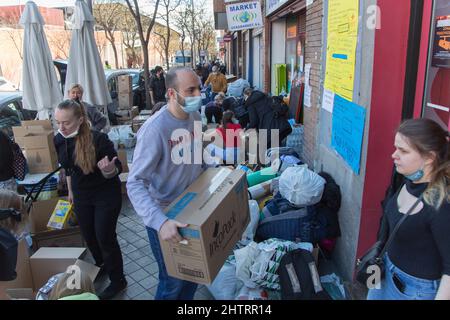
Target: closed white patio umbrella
x: 41, y: 90
x: 84, y: 65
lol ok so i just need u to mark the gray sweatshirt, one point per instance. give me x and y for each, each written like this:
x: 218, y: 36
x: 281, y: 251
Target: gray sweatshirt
x: 97, y: 119
x: 155, y: 180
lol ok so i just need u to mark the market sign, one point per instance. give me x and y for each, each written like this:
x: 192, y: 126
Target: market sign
x: 272, y: 5
x: 246, y: 15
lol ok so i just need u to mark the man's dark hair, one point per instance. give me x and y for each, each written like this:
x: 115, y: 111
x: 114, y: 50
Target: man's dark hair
x: 172, y: 76
x: 158, y: 69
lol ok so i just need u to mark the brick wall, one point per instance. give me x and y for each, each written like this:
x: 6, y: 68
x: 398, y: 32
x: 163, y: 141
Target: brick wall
x: 313, y: 55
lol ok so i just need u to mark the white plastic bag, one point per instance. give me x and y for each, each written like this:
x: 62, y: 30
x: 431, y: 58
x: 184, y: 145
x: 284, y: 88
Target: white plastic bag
x: 250, y: 231
x: 224, y: 285
x: 301, y: 186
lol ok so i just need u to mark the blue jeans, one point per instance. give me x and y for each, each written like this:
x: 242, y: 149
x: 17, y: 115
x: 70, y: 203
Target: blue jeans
x: 414, y: 288
x: 169, y: 288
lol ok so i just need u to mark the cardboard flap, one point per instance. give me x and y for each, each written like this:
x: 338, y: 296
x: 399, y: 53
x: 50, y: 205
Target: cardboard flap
x: 46, y: 124
x: 58, y: 253
x: 88, y: 268
x: 40, y: 213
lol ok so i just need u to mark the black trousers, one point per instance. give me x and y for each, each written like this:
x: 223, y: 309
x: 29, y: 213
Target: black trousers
x: 216, y: 112
x: 97, y: 214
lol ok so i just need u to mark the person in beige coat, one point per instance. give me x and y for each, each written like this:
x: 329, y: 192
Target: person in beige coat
x: 218, y: 82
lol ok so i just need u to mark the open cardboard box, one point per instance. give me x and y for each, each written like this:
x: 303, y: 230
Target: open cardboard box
x: 42, y: 237
x: 215, y: 207
x: 34, y: 272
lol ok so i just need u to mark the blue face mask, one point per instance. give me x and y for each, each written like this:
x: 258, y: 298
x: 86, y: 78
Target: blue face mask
x: 191, y: 104
x: 416, y: 176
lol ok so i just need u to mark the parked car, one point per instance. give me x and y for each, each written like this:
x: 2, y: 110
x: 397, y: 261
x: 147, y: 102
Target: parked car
x: 6, y: 85
x: 12, y: 112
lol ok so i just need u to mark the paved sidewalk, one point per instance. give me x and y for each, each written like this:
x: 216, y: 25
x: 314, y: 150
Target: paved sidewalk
x: 140, y: 267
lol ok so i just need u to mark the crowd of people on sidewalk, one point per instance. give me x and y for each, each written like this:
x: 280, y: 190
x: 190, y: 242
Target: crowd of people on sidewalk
x: 417, y: 263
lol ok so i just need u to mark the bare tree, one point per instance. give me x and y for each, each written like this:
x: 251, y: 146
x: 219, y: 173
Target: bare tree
x: 181, y: 23
x: 206, y: 33
x: 169, y: 7
x: 108, y: 16
x: 130, y: 37
x: 60, y: 42
x: 145, y: 38
x: 14, y: 31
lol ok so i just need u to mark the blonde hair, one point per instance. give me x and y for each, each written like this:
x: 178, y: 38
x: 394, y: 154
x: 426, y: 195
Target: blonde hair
x: 85, y: 156
x: 427, y: 137
x: 76, y: 86
x: 61, y: 288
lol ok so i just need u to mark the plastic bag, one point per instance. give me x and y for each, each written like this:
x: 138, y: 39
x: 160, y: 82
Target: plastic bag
x: 122, y: 135
x: 301, y: 186
x: 257, y: 263
x: 250, y: 231
x: 224, y: 285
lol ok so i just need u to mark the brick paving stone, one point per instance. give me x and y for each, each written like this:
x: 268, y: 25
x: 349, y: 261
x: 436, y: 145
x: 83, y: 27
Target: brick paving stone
x: 149, y: 282
x: 141, y: 243
x: 128, y: 249
x: 144, y: 261
x: 144, y: 296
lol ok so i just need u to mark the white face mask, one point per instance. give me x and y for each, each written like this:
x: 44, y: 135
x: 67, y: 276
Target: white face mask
x: 73, y: 134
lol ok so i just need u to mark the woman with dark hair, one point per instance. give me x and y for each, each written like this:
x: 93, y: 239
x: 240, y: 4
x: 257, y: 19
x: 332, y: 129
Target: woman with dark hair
x: 226, y: 138
x: 92, y: 170
x: 417, y: 262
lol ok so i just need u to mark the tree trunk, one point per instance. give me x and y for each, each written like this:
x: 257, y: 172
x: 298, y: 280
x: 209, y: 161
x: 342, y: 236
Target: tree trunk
x: 110, y: 36
x: 182, y: 51
x: 148, y: 104
x: 166, y: 49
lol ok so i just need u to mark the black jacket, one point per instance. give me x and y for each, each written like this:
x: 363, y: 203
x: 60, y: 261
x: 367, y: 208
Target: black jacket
x: 259, y: 110
x: 81, y: 183
x: 6, y: 158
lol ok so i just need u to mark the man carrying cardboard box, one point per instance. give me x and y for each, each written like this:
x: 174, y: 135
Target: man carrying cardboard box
x: 155, y: 179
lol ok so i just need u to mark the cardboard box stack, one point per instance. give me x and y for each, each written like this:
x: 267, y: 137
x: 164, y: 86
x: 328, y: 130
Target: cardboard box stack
x: 36, y: 140
x: 215, y: 207
x: 125, y: 92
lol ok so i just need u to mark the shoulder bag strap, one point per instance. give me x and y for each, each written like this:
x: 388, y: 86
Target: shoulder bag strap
x: 392, y: 235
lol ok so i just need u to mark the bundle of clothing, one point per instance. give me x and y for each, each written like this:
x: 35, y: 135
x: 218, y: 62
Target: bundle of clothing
x: 304, y: 209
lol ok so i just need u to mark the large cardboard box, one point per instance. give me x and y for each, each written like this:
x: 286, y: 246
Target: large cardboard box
x: 33, y: 272
x: 127, y: 115
x: 36, y: 140
x: 125, y: 84
x: 42, y: 237
x: 215, y: 207
x: 125, y: 100
x: 47, y: 262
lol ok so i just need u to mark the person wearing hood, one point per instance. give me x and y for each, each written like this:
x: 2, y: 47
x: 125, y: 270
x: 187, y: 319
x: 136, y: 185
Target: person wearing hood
x: 92, y: 169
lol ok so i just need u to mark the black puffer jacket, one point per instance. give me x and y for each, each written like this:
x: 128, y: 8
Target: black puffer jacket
x: 259, y: 110
x: 6, y: 158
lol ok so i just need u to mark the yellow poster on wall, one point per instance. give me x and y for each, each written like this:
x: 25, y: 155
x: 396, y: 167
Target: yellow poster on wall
x: 341, y: 46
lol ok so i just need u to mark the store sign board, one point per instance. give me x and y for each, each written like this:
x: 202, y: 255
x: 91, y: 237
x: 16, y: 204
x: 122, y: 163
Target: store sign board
x: 245, y: 15
x: 272, y: 5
